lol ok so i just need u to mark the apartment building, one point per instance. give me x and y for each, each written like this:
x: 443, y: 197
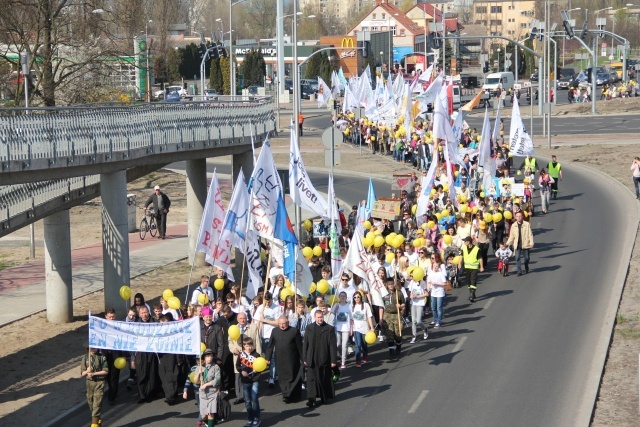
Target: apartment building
x: 504, y: 18
x: 339, y: 11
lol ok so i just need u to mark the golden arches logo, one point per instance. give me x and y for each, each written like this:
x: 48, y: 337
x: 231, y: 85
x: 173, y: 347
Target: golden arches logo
x: 347, y: 43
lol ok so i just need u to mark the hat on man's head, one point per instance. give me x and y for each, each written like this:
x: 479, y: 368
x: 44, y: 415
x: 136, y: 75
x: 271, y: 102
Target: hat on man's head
x: 157, y: 187
x: 206, y: 311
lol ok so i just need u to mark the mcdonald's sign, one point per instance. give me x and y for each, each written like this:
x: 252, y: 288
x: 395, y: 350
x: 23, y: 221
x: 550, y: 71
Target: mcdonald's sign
x: 347, y: 42
x: 347, y: 55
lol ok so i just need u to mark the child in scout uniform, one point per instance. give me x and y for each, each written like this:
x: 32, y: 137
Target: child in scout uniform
x: 94, y: 366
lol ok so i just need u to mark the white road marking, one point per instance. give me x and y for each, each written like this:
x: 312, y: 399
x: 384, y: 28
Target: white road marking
x: 418, y: 401
x: 488, y: 304
x: 459, y: 345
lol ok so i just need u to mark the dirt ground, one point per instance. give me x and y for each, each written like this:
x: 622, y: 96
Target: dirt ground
x: 53, y: 383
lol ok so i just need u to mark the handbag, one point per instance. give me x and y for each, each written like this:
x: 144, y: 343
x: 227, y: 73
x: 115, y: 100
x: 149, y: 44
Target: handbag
x: 448, y: 287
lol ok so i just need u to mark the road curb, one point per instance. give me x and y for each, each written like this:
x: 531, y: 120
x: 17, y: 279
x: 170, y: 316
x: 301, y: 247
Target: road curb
x: 632, y: 215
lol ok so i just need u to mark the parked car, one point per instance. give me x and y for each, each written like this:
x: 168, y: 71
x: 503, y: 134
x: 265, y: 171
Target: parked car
x: 253, y: 90
x: 613, y: 77
x: 311, y: 82
x: 306, y: 91
x: 602, y: 79
x: 177, y: 88
x: 288, y: 85
x: 210, y: 95
x: 173, y: 96
x: 566, y: 75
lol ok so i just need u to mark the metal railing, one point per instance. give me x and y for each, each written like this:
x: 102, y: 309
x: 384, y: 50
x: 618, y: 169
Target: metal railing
x: 55, y: 133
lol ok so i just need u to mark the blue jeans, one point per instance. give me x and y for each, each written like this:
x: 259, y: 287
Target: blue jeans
x: 361, y: 346
x: 272, y: 366
x: 251, y: 402
x: 636, y: 181
x: 525, y: 254
x: 436, y: 308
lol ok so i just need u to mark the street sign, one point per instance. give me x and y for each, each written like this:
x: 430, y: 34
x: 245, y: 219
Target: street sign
x: 508, y: 55
x: 526, y: 83
x: 337, y: 137
x: 507, y: 63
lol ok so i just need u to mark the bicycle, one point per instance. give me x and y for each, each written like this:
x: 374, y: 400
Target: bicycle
x: 149, y: 225
x: 503, y: 266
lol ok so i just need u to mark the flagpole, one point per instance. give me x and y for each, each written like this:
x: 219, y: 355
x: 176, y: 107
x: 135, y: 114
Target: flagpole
x: 246, y: 231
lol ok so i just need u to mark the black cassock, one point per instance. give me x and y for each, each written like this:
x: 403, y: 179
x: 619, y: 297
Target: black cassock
x: 288, y: 347
x: 320, y: 350
x: 168, y: 371
x: 146, y: 373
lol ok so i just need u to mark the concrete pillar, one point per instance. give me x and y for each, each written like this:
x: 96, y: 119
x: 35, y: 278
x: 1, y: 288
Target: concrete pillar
x: 115, y: 240
x: 196, y: 199
x: 57, y: 263
x: 244, y: 161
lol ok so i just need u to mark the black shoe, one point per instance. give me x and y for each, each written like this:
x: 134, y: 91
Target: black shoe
x: 526, y: 269
x: 238, y: 401
x: 141, y: 401
x: 286, y: 400
x: 519, y: 273
x: 311, y: 403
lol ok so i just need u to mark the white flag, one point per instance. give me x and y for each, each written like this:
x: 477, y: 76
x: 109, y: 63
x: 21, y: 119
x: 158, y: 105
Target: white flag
x: 426, y: 185
x: 302, y: 284
x: 485, y: 140
x: 426, y: 76
x: 441, y: 124
x: 212, y: 218
x: 254, y: 264
x: 496, y: 127
x: 358, y: 263
x: 520, y: 143
x: 303, y: 193
x: 326, y: 94
x: 431, y: 94
x: 265, y: 190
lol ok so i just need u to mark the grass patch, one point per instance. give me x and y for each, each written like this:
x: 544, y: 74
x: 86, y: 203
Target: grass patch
x: 630, y: 333
x: 622, y: 319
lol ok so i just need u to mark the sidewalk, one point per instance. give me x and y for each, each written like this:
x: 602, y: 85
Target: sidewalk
x: 23, y: 288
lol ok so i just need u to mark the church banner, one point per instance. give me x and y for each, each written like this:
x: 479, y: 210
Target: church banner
x: 182, y: 337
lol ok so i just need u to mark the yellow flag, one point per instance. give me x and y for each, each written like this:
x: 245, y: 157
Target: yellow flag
x: 469, y: 106
x: 415, y: 109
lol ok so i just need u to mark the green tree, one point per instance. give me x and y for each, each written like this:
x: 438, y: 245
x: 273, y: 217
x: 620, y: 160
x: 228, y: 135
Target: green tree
x: 314, y: 66
x: 190, y: 64
x: 225, y: 66
x: 174, y: 60
x: 160, y: 70
x: 216, y: 81
x: 529, y: 58
x: 253, y: 68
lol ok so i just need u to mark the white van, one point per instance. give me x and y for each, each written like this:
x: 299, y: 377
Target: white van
x: 494, y: 80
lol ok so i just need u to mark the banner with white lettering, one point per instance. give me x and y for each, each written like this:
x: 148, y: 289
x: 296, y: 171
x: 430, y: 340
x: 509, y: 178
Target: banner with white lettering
x: 211, y: 223
x: 303, y: 193
x: 265, y: 189
x: 520, y: 143
x: 181, y: 337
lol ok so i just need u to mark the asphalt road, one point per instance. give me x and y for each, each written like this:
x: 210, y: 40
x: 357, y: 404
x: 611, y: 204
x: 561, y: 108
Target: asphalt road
x: 588, y: 125
x: 521, y: 355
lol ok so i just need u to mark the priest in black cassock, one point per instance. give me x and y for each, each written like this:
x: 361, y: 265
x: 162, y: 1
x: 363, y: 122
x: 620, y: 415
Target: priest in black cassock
x: 287, y: 343
x: 320, y: 355
x: 146, y: 365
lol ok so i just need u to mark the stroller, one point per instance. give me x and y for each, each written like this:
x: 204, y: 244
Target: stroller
x: 452, y: 268
x: 528, y: 197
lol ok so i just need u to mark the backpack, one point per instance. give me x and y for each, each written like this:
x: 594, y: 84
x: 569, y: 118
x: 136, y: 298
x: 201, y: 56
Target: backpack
x: 223, y: 408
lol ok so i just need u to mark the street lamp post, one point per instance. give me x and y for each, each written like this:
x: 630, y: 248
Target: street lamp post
x: 390, y: 38
x: 146, y: 39
x: 232, y: 65
x: 221, y: 31
x: 498, y: 50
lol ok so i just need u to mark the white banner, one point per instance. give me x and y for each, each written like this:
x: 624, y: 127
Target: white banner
x: 303, y: 193
x: 265, y: 190
x: 182, y: 337
x: 520, y: 143
x: 211, y: 224
x: 358, y: 263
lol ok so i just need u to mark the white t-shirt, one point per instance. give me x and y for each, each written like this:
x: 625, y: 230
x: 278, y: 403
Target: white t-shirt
x: 360, y: 316
x: 417, y: 288
x: 344, y: 316
x: 270, y: 313
x: 173, y: 312
x: 437, y: 276
x: 349, y: 290
x: 413, y: 257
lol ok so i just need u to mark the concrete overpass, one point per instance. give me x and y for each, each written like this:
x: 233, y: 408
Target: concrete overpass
x: 52, y: 159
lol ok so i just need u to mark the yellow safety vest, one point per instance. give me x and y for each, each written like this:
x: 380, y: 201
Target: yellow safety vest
x: 530, y: 163
x: 554, y: 171
x: 470, y: 258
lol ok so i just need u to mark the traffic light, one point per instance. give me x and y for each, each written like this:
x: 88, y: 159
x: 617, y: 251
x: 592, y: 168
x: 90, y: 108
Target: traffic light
x: 485, y: 69
x: 336, y: 105
x: 584, y: 31
x: 214, y: 53
x: 522, y: 66
x: 532, y: 34
x: 435, y: 42
x: 202, y: 50
x: 566, y: 23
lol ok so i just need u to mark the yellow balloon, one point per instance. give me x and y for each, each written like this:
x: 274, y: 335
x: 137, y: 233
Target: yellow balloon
x: 445, y: 187
x: 322, y: 286
x: 430, y: 224
x: 370, y: 337
x: 418, y: 242
x: 457, y: 259
x: 218, y: 284
x: 456, y: 173
x: 482, y: 194
x: 487, y: 217
x: 203, y: 347
x: 497, y: 217
x: 410, y: 269
x: 508, y: 215
x: 463, y: 208
x: 370, y: 235
x: 168, y: 293
x: 445, y: 213
x: 259, y: 364
x: 317, y: 251
x: 120, y: 363
x: 510, y: 154
x: 397, y: 242
x: 389, y: 239
x: 369, y: 241
x: 312, y: 288
x: 438, y: 216
x: 307, y: 224
x: 377, y: 233
x: 390, y: 257
x: 448, y: 239
x: 234, y: 332
x: 433, y: 191
x: 125, y: 293
x: 373, y: 138
x: 174, y: 303
x: 307, y: 252
x: 203, y: 299
x: 366, y: 225
x: 378, y: 241
x: 287, y: 284
x: 192, y: 378
x: 333, y: 300
x: 518, y: 173
x: 414, y: 209
x: 418, y: 274
x: 474, y: 210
